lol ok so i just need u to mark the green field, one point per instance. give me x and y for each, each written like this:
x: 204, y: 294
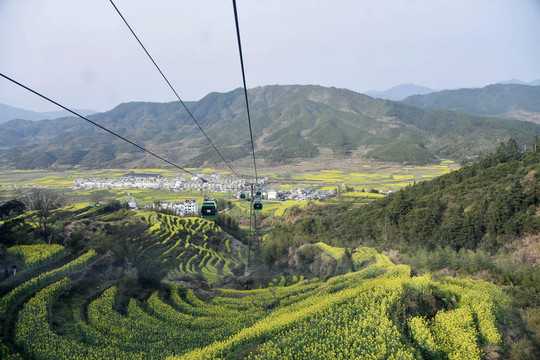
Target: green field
x: 369, y: 175
x: 272, y: 208
x: 357, y: 315
x: 15, y: 182
x: 379, y: 178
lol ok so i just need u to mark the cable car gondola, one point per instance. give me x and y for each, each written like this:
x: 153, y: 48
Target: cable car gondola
x: 242, y: 195
x: 258, y: 193
x: 257, y: 204
x: 209, y: 209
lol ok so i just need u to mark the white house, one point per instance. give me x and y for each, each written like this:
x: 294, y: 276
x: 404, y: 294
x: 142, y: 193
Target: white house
x: 191, y: 207
x: 132, y: 204
x: 272, y: 194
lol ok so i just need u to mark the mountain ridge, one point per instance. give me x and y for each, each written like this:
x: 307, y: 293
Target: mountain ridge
x: 520, y: 82
x: 400, y: 92
x: 8, y: 113
x: 514, y: 101
x: 290, y: 122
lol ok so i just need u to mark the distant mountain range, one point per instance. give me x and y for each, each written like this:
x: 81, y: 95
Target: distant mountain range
x: 12, y: 113
x: 513, y: 101
x: 290, y: 123
x: 519, y: 82
x: 400, y: 92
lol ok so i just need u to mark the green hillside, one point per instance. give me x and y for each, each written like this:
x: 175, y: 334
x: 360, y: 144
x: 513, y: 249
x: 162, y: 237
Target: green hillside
x: 177, y: 246
x: 503, y: 100
x: 370, y: 313
x: 289, y: 123
x: 444, y: 269
x: 403, y: 151
x: 480, y: 221
x: 484, y: 205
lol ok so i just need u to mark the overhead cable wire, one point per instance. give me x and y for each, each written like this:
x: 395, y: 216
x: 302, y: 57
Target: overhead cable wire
x: 251, y: 213
x: 96, y: 124
x: 245, y: 88
x: 172, y: 88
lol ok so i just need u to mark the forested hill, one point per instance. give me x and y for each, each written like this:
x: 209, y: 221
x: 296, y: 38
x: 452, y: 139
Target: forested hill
x: 484, y: 205
x: 289, y: 122
x: 512, y: 101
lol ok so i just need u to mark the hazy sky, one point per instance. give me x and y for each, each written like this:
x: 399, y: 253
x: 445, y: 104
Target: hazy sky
x: 80, y: 53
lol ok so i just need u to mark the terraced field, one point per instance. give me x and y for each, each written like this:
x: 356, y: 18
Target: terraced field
x: 192, y: 244
x: 368, y: 314
x: 186, y: 241
x: 36, y: 255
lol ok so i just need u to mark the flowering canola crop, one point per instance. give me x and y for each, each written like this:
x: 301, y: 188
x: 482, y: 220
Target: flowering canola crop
x: 352, y: 316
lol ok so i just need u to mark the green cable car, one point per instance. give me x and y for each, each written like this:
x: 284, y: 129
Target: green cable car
x: 242, y: 195
x: 209, y: 209
x: 257, y: 204
x: 258, y: 193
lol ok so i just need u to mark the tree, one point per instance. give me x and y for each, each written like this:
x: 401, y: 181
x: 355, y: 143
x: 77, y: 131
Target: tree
x: 44, y: 203
x: 11, y: 208
x: 223, y: 204
x: 129, y: 240
x: 15, y: 231
x: 507, y: 152
x: 398, y: 207
x: 112, y: 206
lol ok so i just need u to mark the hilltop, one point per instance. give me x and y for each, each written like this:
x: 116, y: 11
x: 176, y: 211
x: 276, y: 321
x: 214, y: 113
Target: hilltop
x: 512, y: 101
x: 400, y: 92
x: 293, y: 122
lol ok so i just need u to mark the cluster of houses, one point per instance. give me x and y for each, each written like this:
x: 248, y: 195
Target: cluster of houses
x: 300, y: 194
x: 213, y: 182
x: 181, y: 208
x: 139, y: 181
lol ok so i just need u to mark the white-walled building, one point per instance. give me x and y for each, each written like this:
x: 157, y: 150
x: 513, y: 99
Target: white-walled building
x: 182, y: 208
x: 191, y: 207
x: 272, y: 194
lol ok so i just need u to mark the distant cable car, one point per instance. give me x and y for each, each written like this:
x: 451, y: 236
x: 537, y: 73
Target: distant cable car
x: 209, y: 209
x: 242, y: 195
x: 258, y: 193
x: 257, y: 205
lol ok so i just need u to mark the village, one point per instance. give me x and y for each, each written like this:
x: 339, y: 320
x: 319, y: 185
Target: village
x: 212, y: 182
